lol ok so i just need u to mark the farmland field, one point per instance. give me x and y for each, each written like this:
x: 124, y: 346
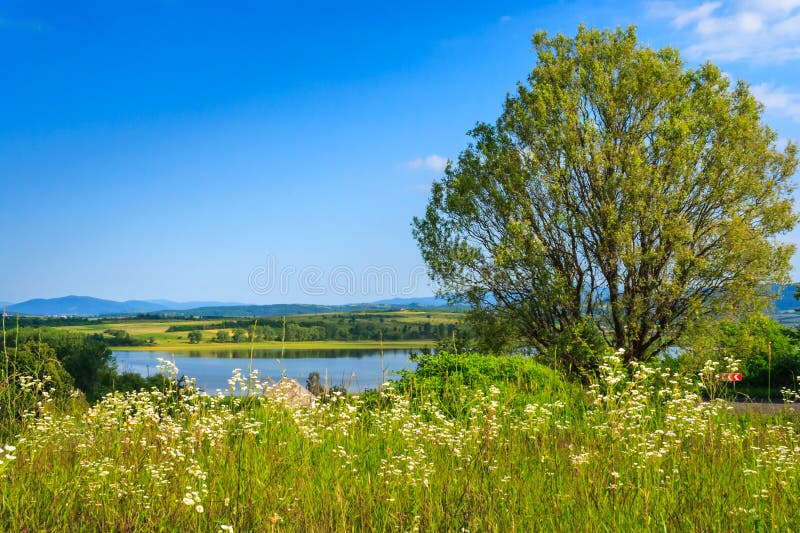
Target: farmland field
x: 158, y: 335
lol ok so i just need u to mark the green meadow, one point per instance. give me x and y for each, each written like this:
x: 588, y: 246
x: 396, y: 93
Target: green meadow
x: 367, y: 330
x: 464, y: 443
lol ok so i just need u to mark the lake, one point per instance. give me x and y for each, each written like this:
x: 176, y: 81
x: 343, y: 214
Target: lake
x: 355, y: 370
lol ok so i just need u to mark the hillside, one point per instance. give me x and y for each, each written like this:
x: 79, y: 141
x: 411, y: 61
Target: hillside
x: 81, y: 306
x: 87, y: 306
x: 785, y: 307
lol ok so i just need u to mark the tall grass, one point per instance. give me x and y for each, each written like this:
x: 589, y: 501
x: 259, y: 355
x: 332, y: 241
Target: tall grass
x: 641, y: 450
x: 25, y: 390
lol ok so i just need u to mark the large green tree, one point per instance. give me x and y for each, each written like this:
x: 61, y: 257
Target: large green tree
x: 618, y: 192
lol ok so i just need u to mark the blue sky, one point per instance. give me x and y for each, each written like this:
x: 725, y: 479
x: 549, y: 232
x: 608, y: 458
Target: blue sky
x: 263, y: 153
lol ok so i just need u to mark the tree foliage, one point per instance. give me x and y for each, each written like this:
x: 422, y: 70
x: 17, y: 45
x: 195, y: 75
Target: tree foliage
x: 768, y: 352
x: 69, y: 358
x: 38, y: 360
x: 617, y: 187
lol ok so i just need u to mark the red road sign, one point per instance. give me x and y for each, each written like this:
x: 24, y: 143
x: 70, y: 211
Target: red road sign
x: 730, y: 376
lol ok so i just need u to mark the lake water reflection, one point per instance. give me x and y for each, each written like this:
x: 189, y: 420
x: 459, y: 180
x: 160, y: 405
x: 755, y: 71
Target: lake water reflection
x: 353, y: 369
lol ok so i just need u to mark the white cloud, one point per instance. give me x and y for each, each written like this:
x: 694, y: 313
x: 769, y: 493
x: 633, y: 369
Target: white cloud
x: 787, y: 26
x: 778, y: 100
x: 504, y: 19
x: 757, y: 31
x: 682, y: 18
x: 777, y: 6
x: 431, y: 162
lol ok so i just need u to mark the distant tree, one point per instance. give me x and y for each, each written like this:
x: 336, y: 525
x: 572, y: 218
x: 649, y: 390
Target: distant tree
x: 117, y: 337
x: 223, y: 335
x: 239, y: 335
x: 195, y: 337
x: 768, y: 352
x: 265, y: 333
x: 618, y: 193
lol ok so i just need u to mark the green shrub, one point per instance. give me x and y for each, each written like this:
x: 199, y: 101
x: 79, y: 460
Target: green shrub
x: 453, y: 379
x: 37, y: 360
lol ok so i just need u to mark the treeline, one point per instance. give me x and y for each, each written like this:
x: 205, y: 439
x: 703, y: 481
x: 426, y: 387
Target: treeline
x: 119, y: 337
x: 334, y: 327
x: 46, y: 321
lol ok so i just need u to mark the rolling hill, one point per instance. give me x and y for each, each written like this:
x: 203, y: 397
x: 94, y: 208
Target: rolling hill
x: 785, y: 307
x: 87, y: 306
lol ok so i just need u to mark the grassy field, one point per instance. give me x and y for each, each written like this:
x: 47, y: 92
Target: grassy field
x: 140, y: 329
x: 154, y: 336
x: 637, y: 451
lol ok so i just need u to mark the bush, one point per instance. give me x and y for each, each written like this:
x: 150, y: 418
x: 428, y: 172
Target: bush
x: 37, y: 360
x: 452, y: 379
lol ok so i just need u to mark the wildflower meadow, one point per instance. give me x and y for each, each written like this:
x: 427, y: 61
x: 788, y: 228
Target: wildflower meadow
x: 465, y: 443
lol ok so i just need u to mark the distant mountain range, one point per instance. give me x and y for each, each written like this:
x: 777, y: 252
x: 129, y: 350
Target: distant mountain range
x: 87, y: 306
